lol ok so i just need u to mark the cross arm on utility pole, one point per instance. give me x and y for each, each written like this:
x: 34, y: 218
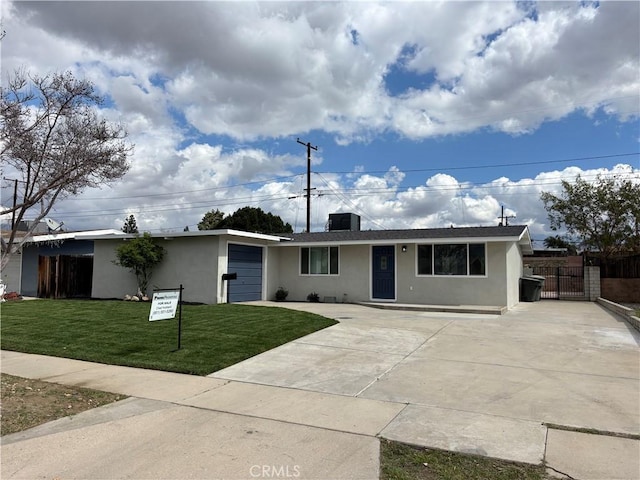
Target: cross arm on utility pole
x: 308, y: 189
x: 504, y: 219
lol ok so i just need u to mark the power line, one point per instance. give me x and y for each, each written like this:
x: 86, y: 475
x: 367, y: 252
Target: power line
x: 439, y: 169
x: 508, y: 189
x: 183, y: 192
x: 496, y: 165
x: 342, y: 194
x: 173, y: 207
x: 475, y: 185
x: 349, y: 202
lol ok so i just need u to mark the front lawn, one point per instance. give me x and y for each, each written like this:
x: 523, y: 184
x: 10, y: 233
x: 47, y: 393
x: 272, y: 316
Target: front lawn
x: 119, y: 333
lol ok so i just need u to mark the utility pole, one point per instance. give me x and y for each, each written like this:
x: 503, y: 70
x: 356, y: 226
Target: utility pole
x: 309, y: 147
x: 15, y: 200
x: 504, y: 220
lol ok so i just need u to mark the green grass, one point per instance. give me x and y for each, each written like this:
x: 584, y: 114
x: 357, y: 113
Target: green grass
x: 404, y: 462
x: 119, y: 333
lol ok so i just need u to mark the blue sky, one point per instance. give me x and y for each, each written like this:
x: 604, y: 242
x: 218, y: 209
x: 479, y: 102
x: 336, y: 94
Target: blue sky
x: 425, y: 114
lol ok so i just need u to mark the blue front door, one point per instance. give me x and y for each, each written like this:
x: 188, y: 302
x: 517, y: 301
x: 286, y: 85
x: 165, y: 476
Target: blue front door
x: 383, y: 272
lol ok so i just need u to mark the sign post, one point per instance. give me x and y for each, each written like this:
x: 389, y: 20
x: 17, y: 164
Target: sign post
x: 164, y: 304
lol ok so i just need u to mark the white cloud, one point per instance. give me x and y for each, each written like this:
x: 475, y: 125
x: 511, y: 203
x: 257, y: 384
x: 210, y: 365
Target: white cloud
x: 270, y: 70
x: 186, y: 80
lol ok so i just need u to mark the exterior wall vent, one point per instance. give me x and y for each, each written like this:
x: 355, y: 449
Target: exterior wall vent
x: 344, y: 221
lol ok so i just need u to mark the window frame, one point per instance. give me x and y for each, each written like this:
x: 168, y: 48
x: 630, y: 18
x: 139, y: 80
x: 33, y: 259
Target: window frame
x: 332, y: 259
x: 430, y: 274
x: 468, y: 273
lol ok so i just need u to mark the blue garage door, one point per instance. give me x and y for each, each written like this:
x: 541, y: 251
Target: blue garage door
x: 246, y: 261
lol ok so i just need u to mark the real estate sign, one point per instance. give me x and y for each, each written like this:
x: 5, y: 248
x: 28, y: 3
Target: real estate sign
x: 164, y: 305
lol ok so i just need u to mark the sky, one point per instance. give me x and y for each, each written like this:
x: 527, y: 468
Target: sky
x: 424, y: 114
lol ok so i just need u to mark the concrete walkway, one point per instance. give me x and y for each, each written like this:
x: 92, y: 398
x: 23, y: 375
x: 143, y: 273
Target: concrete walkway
x: 314, y: 408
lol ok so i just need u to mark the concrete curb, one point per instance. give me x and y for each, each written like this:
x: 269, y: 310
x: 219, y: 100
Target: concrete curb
x: 475, y: 309
x: 625, y: 312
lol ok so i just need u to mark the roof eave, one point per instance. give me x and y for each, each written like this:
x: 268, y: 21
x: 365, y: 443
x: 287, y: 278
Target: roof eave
x: 199, y: 233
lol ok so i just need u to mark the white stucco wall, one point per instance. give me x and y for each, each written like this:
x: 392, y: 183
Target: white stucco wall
x: 272, y: 278
x: 192, y: 262
x: 498, y: 288
x: 453, y: 290
x: 109, y: 280
x: 353, y: 279
x: 12, y: 273
x: 515, y: 270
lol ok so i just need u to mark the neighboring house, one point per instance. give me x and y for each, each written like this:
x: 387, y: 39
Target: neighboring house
x: 444, y: 266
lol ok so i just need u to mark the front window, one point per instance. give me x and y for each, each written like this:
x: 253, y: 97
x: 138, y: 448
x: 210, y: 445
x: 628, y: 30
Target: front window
x: 450, y: 259
x: 477, y: 259
x: 425, y: 260
x: 319, y: 261
x: 460, y: 259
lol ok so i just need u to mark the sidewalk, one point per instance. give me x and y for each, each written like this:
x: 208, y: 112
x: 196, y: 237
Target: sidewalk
x: 182, y: 426
x: 166, y: 430
x: 315, y: 408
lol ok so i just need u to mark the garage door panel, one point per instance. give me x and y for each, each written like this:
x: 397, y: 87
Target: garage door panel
x: 245, y: 267
x: 246, y: 262
x: 247, y: 273
x: 246, y: 251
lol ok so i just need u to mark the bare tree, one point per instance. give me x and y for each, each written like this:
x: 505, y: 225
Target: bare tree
x: 55, y: 144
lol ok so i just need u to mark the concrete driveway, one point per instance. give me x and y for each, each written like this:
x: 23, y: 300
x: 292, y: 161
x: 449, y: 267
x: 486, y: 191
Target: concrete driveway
x: 516, y: 386
x: 484, y: 384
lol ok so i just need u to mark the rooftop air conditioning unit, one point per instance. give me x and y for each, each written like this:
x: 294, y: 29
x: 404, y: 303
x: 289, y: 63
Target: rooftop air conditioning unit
x: 344, y: 221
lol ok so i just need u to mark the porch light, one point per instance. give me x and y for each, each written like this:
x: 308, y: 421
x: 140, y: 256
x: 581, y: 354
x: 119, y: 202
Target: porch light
x: 404, y: 248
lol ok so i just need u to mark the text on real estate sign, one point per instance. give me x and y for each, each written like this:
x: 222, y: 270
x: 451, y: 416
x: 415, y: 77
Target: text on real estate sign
x: 164, y: 305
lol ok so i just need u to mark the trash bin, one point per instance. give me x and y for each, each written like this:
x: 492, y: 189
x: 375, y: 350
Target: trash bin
x: 531, y: 288
x: 541, y: 280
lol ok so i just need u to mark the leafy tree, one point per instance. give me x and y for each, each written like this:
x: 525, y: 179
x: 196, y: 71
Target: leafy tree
x: 211, y: 220
x: 605, y: 214
x: 130, y: 225
x: 140, y: 255
x: 53, y: 142
x: 252, y: 219
x: 558, y: 241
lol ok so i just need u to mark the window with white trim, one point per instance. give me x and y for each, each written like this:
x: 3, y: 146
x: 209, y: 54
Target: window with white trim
x: 457, y: 259
x: 425, y: 259
x: 319, y: 261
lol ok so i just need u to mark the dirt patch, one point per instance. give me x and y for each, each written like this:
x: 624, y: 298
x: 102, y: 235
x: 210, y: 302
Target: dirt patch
x: 27, y: 403
x: 404, y: 462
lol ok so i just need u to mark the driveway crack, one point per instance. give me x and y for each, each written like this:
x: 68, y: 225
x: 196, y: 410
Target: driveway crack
x: 402, y: 359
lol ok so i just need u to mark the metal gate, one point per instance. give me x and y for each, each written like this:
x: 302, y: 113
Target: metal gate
x: 561, y: 282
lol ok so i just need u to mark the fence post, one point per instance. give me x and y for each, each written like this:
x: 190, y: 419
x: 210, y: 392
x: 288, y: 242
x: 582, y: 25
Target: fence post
x: 592, y: 283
